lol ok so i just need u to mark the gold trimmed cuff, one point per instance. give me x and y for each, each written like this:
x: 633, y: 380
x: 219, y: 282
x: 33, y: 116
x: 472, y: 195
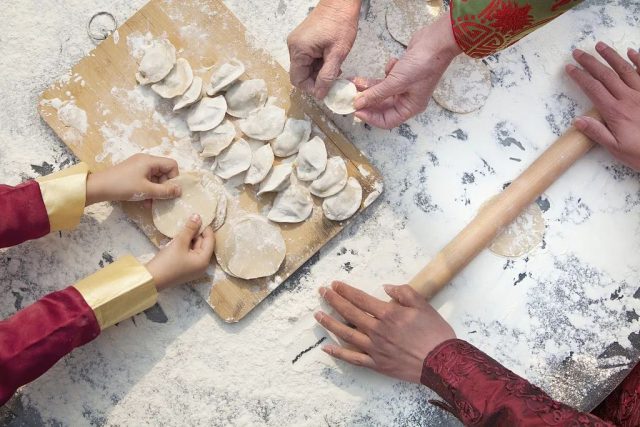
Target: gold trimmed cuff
x: 118, y: 291
x: 64, y: 194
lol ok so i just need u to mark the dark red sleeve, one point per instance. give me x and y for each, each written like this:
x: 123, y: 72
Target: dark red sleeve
x: 35, y: 338
x: 622, y: 407
x: 481, y: 392
x: 23, y: 215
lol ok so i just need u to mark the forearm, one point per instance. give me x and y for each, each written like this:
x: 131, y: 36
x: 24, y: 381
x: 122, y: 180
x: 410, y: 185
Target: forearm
x: 481, y: 392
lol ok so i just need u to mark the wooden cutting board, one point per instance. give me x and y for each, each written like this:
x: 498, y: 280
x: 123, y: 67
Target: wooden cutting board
x: 203, y: 32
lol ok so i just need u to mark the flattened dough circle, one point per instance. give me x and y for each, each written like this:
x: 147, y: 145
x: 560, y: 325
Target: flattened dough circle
x: 522, y: 235
x: 405, y: 17
x: 465, y: 86
x: 250, y: 247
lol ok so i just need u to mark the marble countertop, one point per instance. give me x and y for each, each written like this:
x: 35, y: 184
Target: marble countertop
x: 566, y: 316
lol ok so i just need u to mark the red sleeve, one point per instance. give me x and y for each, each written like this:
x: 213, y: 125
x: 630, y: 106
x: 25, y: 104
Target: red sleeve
x: 23, y: 215
x: 622, y: 407
x: 35, y: 338
x: 481, y: 392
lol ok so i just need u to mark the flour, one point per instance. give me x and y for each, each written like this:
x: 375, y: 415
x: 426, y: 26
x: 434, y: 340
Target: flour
x: 72, y: 116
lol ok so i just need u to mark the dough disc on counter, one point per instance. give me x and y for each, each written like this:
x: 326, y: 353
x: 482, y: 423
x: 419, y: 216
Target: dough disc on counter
x: 522, y: 235
x: 405, y: 17
x: 465, y: 86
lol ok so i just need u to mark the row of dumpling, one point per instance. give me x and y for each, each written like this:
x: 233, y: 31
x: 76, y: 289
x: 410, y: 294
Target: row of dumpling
x: 294, y: 179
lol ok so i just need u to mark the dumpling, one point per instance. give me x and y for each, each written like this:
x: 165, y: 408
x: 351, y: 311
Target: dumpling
x: 341, y: 97
x: 243, y: 98
x: 234, y: 159
x: 295, y: 133
x: 292, y: 205
x: 217, y: 139
x: 208, y: 114
x: 264, y: 124
x: 261, y: 164
x: 157, y: 62
x: 224, y: 75
x: 332, y: 180
x: 277, y: 180
x: 344, y: 204
x: 191, y: 96
x: 312, y: 159
x: 177, y: 81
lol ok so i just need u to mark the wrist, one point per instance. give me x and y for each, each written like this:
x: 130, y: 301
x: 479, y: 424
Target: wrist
x: 95, y: 192
x: 158, y: 281
x: 448, y: 47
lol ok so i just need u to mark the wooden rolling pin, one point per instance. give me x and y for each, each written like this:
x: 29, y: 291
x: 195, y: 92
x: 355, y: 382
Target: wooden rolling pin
x: 501, y: 210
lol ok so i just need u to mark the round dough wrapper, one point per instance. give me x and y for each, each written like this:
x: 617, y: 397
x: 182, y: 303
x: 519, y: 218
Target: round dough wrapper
x: 157, y: 62
x: 521, y: 236
x: 344, y: 204
x: 292, y: 205
x: 250, y: 247
x: 217, y: 139
x: 243, y: 98
x: 191, y: 96
x: 264, y: 124
x: 341, y: 97
x: 177, y: 82
x: 207, y: 114
x: 221, y: 212
x: 312, y: 159
x: 277, y: 180
x: 332, y: 180
x: 465, y: 86
x: 295, y: 133
x: 224, y: 75
x: 234, y: 159
x: 200, y: 194
x: 405, y: 17
x: 261, y: 163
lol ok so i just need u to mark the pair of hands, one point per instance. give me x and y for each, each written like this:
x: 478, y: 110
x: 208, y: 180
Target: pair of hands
x: 144, y: 177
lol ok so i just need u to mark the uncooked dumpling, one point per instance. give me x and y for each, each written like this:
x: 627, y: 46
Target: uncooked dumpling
x: 201, y: 192
x: 207, y: 114
x: 243, y: 98
x: 332, y: 180
x: 234, y: 159
x: 217, y: 139
x: 277, y: 179
x: 250, y: 247
x: 465, y: 86
x: 292, y: 205
x: 224, y: 75
x: 177, y: 82
x: 344, y: 204
x: 157, y: 62
x: 522, y: 235
x: 261, y: 163
x: 264, y: 124
x: 295, y: 133
x: 312, y: 159
x: 341, y: 97
x: 191, y: 96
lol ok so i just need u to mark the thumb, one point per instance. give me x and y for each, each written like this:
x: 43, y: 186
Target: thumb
x: 328, y: 73
x: 190, y: 231
x: 597, y: 132
x: 405, y: 295
x: 373, y: 96
x: 165, y: 190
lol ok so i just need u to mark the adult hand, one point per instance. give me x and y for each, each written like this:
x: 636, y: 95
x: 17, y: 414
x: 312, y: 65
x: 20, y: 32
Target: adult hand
x: 409, y: 81
x: 321, y: 43
x: 140, y: 177
x: 615, y: 92
x: 185, y: 258
x: 392, y: 338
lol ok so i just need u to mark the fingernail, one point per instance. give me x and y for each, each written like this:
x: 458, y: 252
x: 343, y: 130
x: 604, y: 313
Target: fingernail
x: 322, y: 290
x: 387, y: 288
x: 176, y: 191
x: 195, y: 217
x: 632, y: 51
x: 577, y: 53
x: 317, y: 315
x: 327, y: 349
x: 570, y: 68
x: 600, y: 46
x: 580, y: 123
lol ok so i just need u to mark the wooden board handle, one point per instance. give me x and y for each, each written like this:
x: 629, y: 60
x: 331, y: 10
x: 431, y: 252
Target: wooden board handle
x: 501, y: 210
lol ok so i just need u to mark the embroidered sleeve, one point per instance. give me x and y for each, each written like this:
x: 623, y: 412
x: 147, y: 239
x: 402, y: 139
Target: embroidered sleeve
x: 484, y: 27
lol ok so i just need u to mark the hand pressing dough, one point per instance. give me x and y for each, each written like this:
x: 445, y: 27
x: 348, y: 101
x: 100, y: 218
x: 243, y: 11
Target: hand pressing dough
x: 234, y: 159
x: 523, y: 235
x: 224, y: 75
x: 277, y: 180
x: 201, y: 192
x: 312, y: 159
x: 341, y: 97
x: 217, y: 139
x: 250, y: 247
x: 465, y: 86
x: 405, y: 17
x: 157, y: 62
x: 332, y: 180
x: 264, y: 124
x: 243, y: 98
x: 292, y: 205
x: 261, y: 164
x: 344, y: 204
x: 177, y: 81
x: 295, y: 133
x: 207, y: 114
x: 191, y: 96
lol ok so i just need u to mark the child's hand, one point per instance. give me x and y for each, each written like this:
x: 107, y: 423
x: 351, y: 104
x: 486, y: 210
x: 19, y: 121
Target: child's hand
x: 616, y: 95
x: 185, y: 258
x: 140, y: 177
